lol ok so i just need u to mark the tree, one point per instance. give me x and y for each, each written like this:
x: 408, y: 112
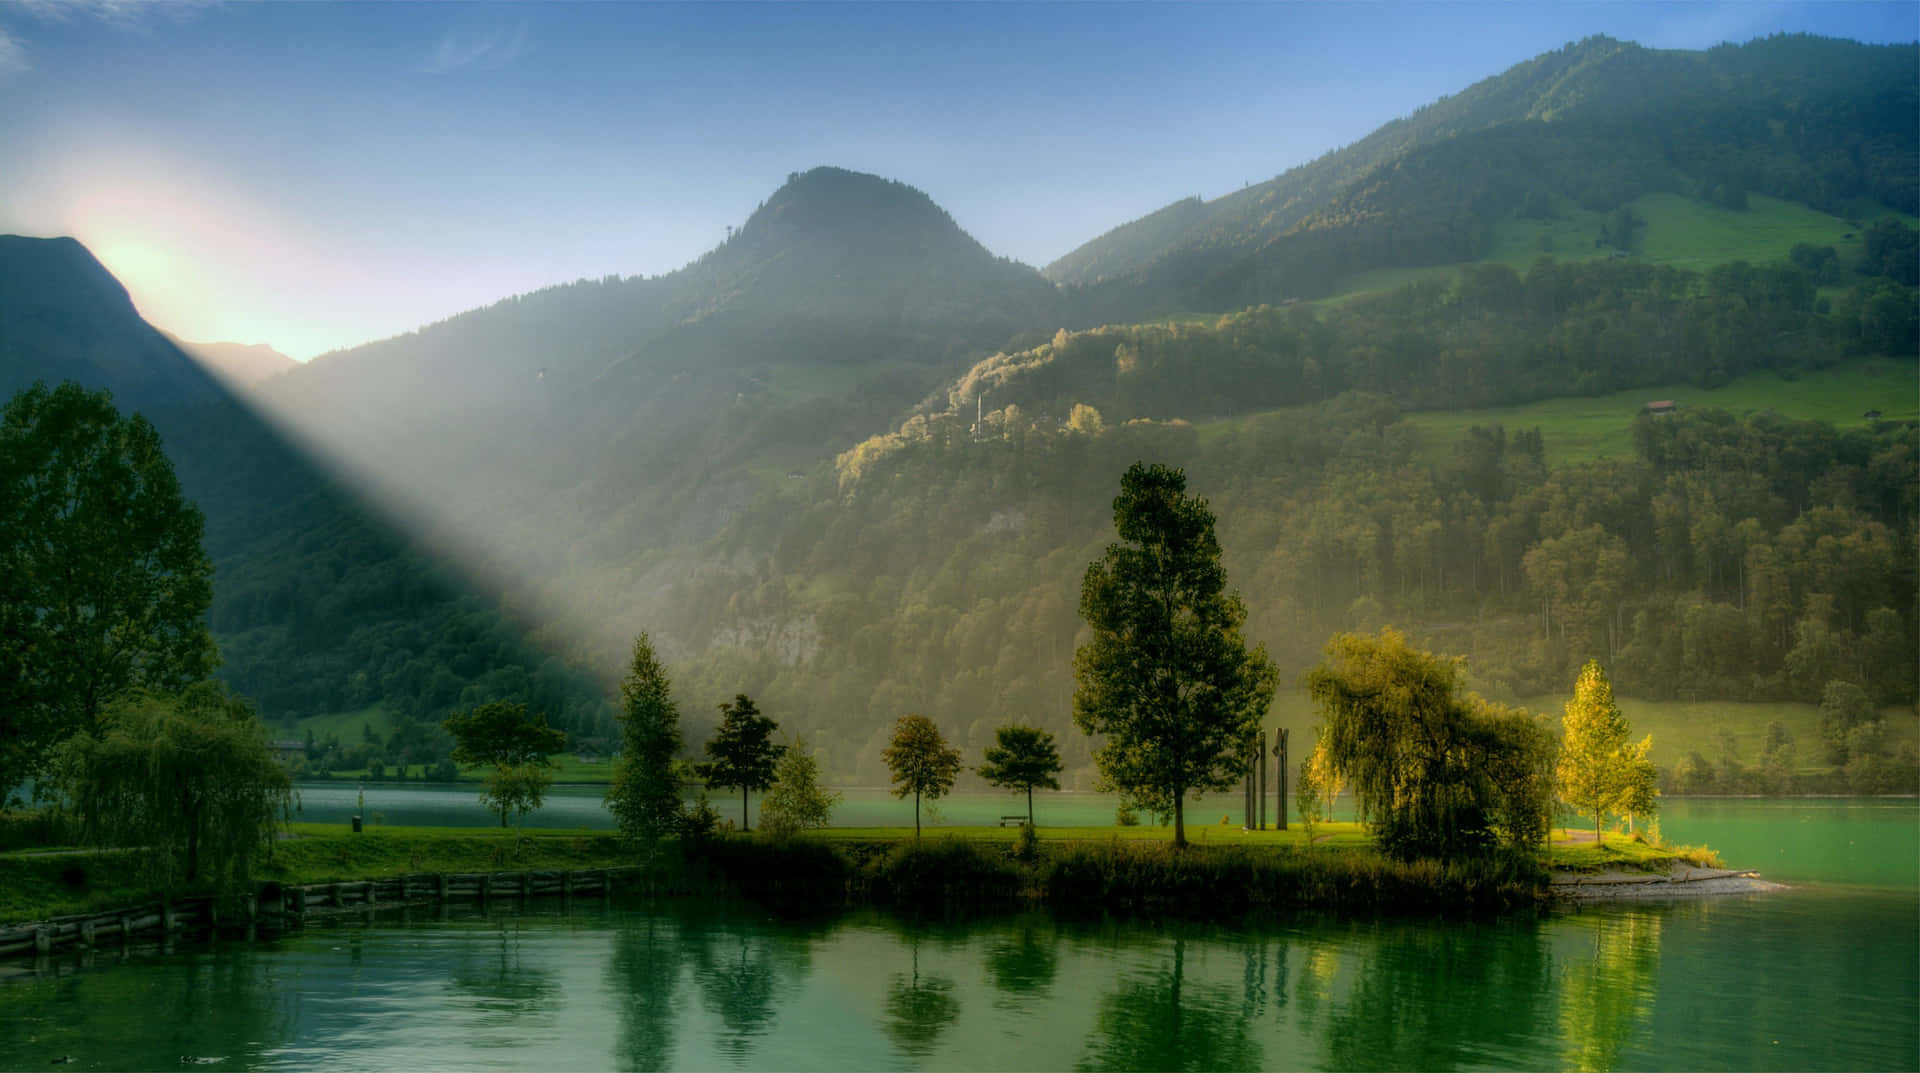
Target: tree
x: 501, y: 736
x: 921, y: 761
x: 1600, y: 771
x: 187, y: 778
x: 1843, y: 706
x: 1167, y: 677
x: 1438, y: 772
x: 1022, y: 758
x: 742, y: 753
x: 645, y: 794
x: 796, y: 802
x: 104, y: 586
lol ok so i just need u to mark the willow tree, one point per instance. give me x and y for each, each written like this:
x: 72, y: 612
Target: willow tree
x: 1438, y: 772
x: 1167, y: 677
x: 188, y: 779
x: 1600, y: 771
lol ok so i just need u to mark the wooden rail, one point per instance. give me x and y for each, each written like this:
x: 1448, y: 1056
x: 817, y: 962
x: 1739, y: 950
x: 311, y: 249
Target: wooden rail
x: 279, y: 906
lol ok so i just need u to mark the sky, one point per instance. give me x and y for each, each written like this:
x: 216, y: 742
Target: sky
x: 317, y: 175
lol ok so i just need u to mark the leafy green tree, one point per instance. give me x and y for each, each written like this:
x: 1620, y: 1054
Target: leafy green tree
x: 795, y: 801
x: 1022, y: 758
x: 742, y: 753
x: 501, y: 736
x: 187, y: 778
x: 644, y: 796
x: 1843, y: 706
x: 921, y: 762
x: 1436, y: 770
x: 104, y: 587
x: 1167, y: 677
x: 1600, y: 771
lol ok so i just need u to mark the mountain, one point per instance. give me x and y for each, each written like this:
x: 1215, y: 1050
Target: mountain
x: 608, y: 423
x: 1589, y: 127
x: 64, y: 317
x: 319, y: 604
x: 238, y: 365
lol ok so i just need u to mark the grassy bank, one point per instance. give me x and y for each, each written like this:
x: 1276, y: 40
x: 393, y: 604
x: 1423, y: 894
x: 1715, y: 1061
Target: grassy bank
x: 1073, y: 870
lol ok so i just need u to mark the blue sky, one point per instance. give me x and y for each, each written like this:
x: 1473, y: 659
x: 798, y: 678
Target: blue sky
x: 314, y: 175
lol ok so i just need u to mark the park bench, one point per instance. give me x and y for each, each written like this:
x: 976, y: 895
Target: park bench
x: 1013, y: 821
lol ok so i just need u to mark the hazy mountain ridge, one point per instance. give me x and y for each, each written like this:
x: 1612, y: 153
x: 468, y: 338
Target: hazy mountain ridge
x: 238, y: 365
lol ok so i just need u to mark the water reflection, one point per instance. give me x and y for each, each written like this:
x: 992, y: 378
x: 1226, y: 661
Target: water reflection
x: 920, y: 1006
x: 1606, y: 990
x: 1158, y: 1021
x: 643, y: 975
x: 745, y: 974
x: 1022, y: 960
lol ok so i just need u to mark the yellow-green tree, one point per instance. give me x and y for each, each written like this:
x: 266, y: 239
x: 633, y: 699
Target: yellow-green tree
x: 1600, y: 771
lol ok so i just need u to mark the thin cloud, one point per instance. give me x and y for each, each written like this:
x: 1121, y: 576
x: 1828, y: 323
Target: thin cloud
x: 462, y: 50
x: 13, y: 55
x: 115, y: 12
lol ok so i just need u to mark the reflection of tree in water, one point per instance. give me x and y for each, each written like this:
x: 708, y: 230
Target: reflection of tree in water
x: 1438, y: 995
x: 645, y: 969
x: 919, y: 1008
x: 744, y: 971
x: 502, y: 980
x: 1022, y: 963
x: 1161, y: 1022
x: 1608, y: 998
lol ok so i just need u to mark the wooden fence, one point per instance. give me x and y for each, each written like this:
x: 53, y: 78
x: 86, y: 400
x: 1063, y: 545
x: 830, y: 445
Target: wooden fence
x: 275, y: 906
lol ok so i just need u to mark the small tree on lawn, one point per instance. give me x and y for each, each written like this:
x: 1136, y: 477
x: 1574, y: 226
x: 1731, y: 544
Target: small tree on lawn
x: 742, y: 753
x: 645, y: 794
x: 1022, y: 758
x: 795, y: 802
x: 1599, y: 771
x: 922, y: 762
x: 501, y: 735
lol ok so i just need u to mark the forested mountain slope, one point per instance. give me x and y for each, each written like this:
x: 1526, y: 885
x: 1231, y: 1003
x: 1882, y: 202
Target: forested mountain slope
x: 1734, y: 556
x: 318, y: 605
x: 1592, y: 126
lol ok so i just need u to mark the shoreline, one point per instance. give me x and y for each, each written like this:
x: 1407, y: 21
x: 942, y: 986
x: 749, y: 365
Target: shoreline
x: 1682, y: 882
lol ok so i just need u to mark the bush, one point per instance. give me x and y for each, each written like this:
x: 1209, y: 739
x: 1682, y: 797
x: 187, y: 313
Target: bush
x: 947, y: 872
x: 36, y: 829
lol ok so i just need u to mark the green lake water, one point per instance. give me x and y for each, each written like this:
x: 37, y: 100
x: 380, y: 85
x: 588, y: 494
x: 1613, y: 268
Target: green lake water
x: 1825, y: 975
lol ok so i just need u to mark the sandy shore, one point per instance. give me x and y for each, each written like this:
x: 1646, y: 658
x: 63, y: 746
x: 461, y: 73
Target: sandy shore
x: 1684, y: 881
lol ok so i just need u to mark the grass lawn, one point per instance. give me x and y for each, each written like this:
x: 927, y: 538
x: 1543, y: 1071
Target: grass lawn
x: 1345, y: 835
x: 1619, y: 851
x: 1601, y: 426
x: 1680, y: 232
x: 1679, y: 727
x: 344, y: 726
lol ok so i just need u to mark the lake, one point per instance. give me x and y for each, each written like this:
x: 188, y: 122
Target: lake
x: 1823, y: 976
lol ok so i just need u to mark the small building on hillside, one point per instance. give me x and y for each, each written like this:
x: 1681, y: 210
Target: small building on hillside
x: 1871, y: 415
x: 1664, y: 406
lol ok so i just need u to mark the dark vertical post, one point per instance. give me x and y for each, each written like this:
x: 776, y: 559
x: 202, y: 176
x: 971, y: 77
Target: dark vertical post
x: 1280, y: 754
x: 1262, y: 761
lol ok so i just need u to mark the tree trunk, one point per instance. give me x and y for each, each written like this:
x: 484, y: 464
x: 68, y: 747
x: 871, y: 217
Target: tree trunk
x: 1179, y: 819
x: 916, y: 815
x: 1029, y: 806
x: 743, y: 808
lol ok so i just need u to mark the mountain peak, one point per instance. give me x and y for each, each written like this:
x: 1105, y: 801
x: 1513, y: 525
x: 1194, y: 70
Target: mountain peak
x: 57, y: 274
x: 63, y: 316
x: 838, y: 202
